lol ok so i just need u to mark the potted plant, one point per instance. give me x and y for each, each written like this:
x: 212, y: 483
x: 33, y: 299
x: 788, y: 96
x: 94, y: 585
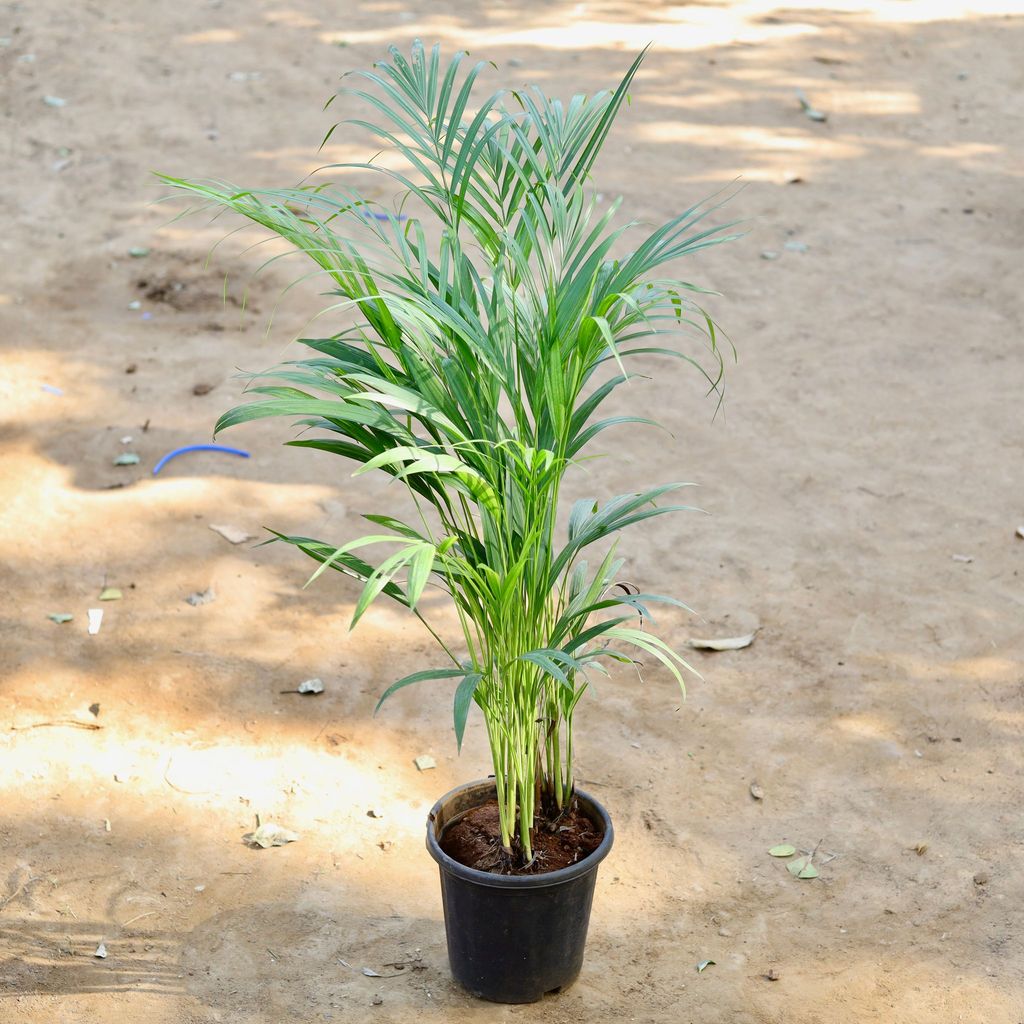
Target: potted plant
x: 494, y: 310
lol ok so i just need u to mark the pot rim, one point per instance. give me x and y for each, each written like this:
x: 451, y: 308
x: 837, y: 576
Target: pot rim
x: 540, y: 881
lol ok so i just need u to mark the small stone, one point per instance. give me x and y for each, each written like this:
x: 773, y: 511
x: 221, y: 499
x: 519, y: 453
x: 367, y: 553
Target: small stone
x: 769, y: 254
x: 981, y: 878
x: 772, y: 975
x: 101, y: 952
x: 373, y: 812
x: 201, y: 389
x: 376, y: 1001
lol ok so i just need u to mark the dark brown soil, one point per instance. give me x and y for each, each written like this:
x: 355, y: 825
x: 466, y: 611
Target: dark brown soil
x: 475, y: 840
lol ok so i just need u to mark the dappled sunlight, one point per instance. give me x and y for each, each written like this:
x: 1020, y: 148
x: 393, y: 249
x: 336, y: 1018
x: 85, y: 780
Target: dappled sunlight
x: 28, y: 377
x: 211, y: 35
x: 679, y: 28
x: 865, y: 726
x: 984, y: 668
x: 862, y: 477
x: 48, y: 498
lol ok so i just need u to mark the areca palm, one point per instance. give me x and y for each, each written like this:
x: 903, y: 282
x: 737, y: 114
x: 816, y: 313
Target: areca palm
x: 493, y: 317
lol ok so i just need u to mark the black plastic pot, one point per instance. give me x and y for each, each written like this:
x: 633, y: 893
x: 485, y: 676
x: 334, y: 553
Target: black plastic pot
x: 514, y: 938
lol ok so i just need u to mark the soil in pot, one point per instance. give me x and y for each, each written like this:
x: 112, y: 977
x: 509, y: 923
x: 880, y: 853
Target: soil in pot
x: 474, y: 839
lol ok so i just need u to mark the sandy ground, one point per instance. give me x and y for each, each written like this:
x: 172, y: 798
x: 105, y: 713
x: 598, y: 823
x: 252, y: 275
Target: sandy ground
x: 865, y: 485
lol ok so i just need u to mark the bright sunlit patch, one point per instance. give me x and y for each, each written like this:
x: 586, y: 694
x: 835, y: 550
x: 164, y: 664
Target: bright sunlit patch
x: 211, y: 35
x: 864, y: 726
x: 686, y: 28
x: 765, y: 140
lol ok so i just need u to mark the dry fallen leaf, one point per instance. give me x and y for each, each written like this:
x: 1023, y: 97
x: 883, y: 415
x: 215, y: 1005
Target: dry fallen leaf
x: 111, y: 594
x: 425, y: 762
x: 231, y: 533
x: 729, y: 643
x: 268, y: 835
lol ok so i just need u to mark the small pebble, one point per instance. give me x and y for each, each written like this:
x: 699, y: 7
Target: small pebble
x: 981, y: 878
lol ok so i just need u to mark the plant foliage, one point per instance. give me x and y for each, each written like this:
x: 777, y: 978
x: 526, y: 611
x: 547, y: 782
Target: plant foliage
x: 494, y: 316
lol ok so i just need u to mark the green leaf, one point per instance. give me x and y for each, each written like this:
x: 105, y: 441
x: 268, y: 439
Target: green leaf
x: 420, y: 567
x: 418, y: 677
x: 782, y: 850
x: 463, y: 698
x: 802, y: 868
x: 60, y: 617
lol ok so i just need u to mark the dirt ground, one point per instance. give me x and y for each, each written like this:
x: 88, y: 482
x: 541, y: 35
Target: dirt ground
x: 864, y: 484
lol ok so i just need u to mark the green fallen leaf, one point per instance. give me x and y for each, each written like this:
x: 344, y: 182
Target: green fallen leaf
x: 60, y: 617
x: 111, y: 594
x: 127, y: 459
x: 138, y: 252
x: 802, y: 868
x: 811, y: 112
x: 705, y: 963
x: 782, y: 850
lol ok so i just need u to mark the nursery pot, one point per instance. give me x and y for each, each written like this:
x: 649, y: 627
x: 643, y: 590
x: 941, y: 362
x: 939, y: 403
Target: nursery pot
x: 514, y: 938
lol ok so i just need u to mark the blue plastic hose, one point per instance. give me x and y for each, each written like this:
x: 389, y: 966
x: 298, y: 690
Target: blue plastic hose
x: 198, y: 448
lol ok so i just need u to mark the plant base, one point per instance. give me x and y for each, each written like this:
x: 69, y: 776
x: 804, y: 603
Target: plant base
x: 514, y: 938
